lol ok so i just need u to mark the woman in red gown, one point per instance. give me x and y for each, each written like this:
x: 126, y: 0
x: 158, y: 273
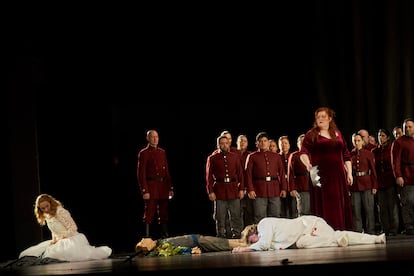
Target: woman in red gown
x: 324, y: 146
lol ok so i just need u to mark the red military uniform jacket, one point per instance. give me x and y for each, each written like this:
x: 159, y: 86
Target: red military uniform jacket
x: 363, y: 170
x: 403, y: 159
x: 224, y: 175
x: 265, y: 174
x: 152, y: 172
x: 299, y: 178
x: 243, y: 157
x: 285, y: 160
x: 385, y: 176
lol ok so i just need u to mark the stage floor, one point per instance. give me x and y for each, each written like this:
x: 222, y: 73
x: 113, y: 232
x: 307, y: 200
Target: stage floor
x: 398, y: 250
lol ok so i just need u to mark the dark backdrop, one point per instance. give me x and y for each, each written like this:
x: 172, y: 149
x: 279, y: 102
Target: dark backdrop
x: 80, y: 100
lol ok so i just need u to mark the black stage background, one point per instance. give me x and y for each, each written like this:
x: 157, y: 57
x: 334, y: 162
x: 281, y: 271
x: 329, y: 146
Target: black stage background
x: 80, y: 99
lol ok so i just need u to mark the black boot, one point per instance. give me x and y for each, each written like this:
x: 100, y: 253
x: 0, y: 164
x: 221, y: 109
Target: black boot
x: 147, y: 230
x: 164, y: 231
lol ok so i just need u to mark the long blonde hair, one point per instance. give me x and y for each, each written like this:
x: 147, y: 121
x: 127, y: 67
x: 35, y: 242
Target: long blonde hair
x: 40, y: 215
x: 248, y: 231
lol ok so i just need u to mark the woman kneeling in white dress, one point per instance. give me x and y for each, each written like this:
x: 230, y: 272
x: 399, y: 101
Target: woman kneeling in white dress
x: 67, y: 244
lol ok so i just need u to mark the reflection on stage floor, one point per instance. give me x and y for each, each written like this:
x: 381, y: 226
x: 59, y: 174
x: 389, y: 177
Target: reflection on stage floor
x: 398, y: 251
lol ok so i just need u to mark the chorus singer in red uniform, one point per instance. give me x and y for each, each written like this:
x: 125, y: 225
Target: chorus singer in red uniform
x: 225, y: 188
x: 265, y: 179
x: 155, y: 183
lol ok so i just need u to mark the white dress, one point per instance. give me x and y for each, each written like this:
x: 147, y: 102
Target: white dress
x: 75, y: 247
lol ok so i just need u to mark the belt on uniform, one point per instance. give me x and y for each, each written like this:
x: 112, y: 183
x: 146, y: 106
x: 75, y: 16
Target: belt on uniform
x: 226, y: 180
x: 408, y: 163
x: 361, y: 173
x: 267, y: 178
x: 159, y: 179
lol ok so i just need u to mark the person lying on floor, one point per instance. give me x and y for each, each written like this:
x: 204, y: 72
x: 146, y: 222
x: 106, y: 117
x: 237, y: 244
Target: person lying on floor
x: 302, y: 232
x: 186, y: 244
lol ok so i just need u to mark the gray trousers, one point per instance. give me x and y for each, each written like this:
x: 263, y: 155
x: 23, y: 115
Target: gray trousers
x: 205, y: 243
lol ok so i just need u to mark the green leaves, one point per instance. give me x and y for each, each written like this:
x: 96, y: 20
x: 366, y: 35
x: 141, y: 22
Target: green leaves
x: 166, y: 249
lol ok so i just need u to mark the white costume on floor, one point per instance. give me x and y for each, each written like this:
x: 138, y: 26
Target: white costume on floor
x: 70, y: 246
x: 306, y: 232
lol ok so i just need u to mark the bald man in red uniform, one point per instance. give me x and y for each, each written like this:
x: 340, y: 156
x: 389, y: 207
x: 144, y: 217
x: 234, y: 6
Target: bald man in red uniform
x: 155, y: 183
